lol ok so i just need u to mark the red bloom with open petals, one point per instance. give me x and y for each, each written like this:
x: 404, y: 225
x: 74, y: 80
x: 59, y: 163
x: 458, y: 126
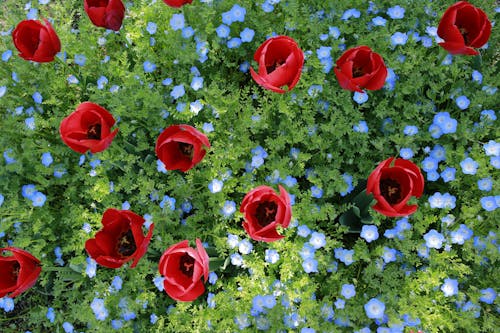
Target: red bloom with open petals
x: 18, y: 272
x: 393, y: 183
x: 120, y: 240
x: 181, y: 147
x: 105, y: 13
x: 360, y: 68
x: 264, y: 211
x: 183, y: 268
x: 280, y: 64
x: 177, y: 3
x: 35, y: 41
x: 463, y: 28
x: 88, y: 128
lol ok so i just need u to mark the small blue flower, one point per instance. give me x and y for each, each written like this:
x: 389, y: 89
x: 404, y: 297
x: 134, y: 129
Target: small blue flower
x: 469, y: 166
x: 488, y: 295
x: 477, y: 76
x: 271, y: 256
x: 30, y: 123
x: 348, y: 291
x: 222, y: 31
x: 47, y: 159
x: 303, y: 231
x: 1, y: 199
x: 410, y: 130
x: 197, y: 83
x: 101, y: 82
x: 247, y: 35
x: 242, y: 321
x: 406, y: 153
x: 238, y: 13
x: 116, y: 324
x: 99, y: 309
x: 369, y: 233
x: 234, y: 42
x: 68, y: 328
x: 38, y: 199
x: 433, y: 239
x: 345, y: 256
x: 177, y: 21
x: 485, y: 184
x: 151, y: 28
x: 7, y: 304
x: 492, y: 148
x: 51, y: 316
x: 448, y: 174
x: 353, y: 12
x: 236, y: 259
x: 399, y: 38
x: 334, y: 32
x: 37, y: 97
x: 379, y: 21
x: 307, y: 251
x: 317, y: 240
x: 6, y: 55
x: 389, y: 255
x: 374, y: 309
x: 360, y: 98
x: 148, y: 66
x: 310, y: 265
x: 166, y: 82
x: 245, y: 247
x: 438, y: 153
x: 116, y: 284
x: 80, y: 59
x: 232, y: 241
x: 91, y: 268
x: 3, y: 90
x: 177, y: 91
x: 187, y: 32
x: 449, y: 287
x: 396, y: 12
x: 168, y: 202
x: 229, y: 208
x: 429, y: 164
x: 215, y: 186
x: 462, y: 102
x: 361, y: 127
x: 489, y: 203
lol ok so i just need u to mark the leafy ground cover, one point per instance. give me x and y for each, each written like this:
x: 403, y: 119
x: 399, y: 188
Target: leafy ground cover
x: 435, y: 270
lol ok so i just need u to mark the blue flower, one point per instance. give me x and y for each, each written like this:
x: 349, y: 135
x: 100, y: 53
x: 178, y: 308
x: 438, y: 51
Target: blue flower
x: 488, y: 295
x: 353, y: 12
x: 177, y: 21
x: 429, y: 164
x: 495, y: 162
x: 234, y: 42
x: 449, y: 287
x: 7, y: 304
x: 489, y: 203
x: 310, y: 265
x: 469, y: 166
x: 433, y: 239
x: 247, y: 35
x: 101, y: 82
x: 348, y: 291
x: 245, y: 247
x: 374, y: 309
x: 37, y: 97
x: 68, y: 328
x: 215, y: 186
x: 6, y: 55
x: 410, y: 130
x: 197, y: 83
x: 345, y: 256
x: 307, y: 251
x: 477, y: 76
x: 271, y: 256
x: 177, y: 91
x: 236, y: 259
x: 462, y: 102
x: 485, y: 184
x: 267, y: 7
x: 229, y: 208
x: 208, y: 127
x: 462, y: 234
x: 238, y: 13
x: 396, y: 12
x: 438, y: 152
x: 242, y: 321
x: 91, y: 268
x: 492, y: 148
x: 316, y: 192
x: 168, y: 81
x: 28, y: 191
x: 303, y: 230
x: 361, y: 127
x: 3, y: 90
x: 232, y: 241
x: 488, y: 116
x: 448, y: 174
x: 116, y: 284
x: 187, y: 32
x: 435, y: 131
x: 51, y: 316
x: 360, y: 98
x: 168, y: 202
x: 148, y: 66
x: 99, y: 309
x: 323, y: 52
x: 47, y: 159
x: 317, y: 240
x: 1, y: 199
x: 334, y: 32
x: 369, y: 233
x: 116, y: 324
x: 406, y: 153
x: 80, y: 59
x: 128, y: 315
x: 151, y: 28
x: 379, y: 21
x: 38, y: 199
x: 389, y: 255
x: 222, y: 31
x: 399, y: 38
x: 160, y: 166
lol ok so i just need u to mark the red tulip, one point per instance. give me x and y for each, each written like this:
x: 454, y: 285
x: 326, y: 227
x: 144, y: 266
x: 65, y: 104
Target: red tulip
x: 280, y: 64
x: 18, y: 272
x: 88, y: 128
x: 393, y: 183
x: 181, y: 147
x: 264, y: 211
x: 120, y: 240
x: 360, y: 68
x: 105, y: 13
x: 463, y: 28
x: 177, y: 3
x: 183, y: 267
x: 35, y: 41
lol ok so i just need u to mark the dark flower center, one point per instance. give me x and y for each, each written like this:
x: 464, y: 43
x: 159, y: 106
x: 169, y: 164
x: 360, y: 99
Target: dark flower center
x: 275, y: 65
x: 15, y: 271
x: 94, y: 132
x: 464, y: 32
x: 357, y: 72
x: 126, y: 244
x: 266, y: 212
x: 186, y: 265
x: 186, y: 149
x: 390, y: 190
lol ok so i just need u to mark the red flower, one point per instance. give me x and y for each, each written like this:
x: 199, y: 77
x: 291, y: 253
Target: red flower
x: 35, y: 41
x: 177, y: 3
x: 182, y: 266
x: 393, y: 184
x: 463, y: 28
x: 181, y: 147
x: 264, y: 211
x: 18, y: 272
x: 280, y: 64
x: 105, y: 13
x: 88, y: 128
x: 360, y: 68
x: 120, y: 240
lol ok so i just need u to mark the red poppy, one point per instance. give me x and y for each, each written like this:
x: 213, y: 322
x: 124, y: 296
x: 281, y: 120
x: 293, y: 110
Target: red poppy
x: 18, y: 272
x: 35, y: 41
x: 181, y: 147
x: 105, y: 13
x: 177, y: 3
x: 463, y: 28
x: 280, y: 64
x: 88, y: 128
x: 360, y: 68
x: 393, y: 183
x: 264, y: 211
x: 182, y: 266
x: 120, y: 240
